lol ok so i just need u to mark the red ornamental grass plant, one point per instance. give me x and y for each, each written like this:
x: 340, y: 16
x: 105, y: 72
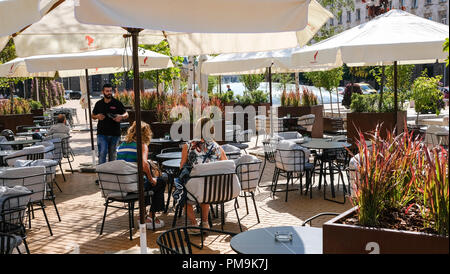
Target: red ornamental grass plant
x: 434, y: 186
x: 384, y: 178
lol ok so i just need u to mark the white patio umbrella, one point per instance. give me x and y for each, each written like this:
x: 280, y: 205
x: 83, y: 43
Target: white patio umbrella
x: 60, y: 32
x: 206, y: 17
x: 396, y: 37
x: 17, y: 14
x: 96, y: 62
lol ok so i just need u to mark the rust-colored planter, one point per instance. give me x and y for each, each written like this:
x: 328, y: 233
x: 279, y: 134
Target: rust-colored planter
x: 161, y: 129
x: 317, y: 130
x: 352, y: 239
x: 13, y: 120
x: 367, y: 122
x: 37, y: 112
x: 148, y: 116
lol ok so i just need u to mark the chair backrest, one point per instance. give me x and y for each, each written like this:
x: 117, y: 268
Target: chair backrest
x: 292, y: 160
x: 174, y: 241
x: 337, y: 124
x: 117, y: 178
x: 13, y: 206
x: 306, y: 121
x: 248, y: 174
x: 269, y: 151
x: 65, y: 146
x: 213, y: 183
x: 28, y: 153
x: 57, y: 150
x: 217, y: 189
x: 33, y: 178
x: 8, y: 242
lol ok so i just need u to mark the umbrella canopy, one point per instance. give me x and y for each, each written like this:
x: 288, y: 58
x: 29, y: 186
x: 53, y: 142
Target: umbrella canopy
x: 74, y: 64
x: 17, y: 14
x: 222, y: 16
x: 98, y: 62
x: 394, y: 36
x: 60, y: 32
x: 18, y: 68
x: 249, y: 63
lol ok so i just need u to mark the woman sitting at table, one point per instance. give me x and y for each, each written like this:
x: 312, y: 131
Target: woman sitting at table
x: 198, y: 151
x: 127, y: 151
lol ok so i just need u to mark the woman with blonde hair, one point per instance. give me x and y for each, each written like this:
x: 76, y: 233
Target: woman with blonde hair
x: 198, y: 151
x: 154, y: 181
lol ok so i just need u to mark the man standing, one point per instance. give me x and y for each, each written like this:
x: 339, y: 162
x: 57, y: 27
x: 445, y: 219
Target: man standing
x: 109, y: 112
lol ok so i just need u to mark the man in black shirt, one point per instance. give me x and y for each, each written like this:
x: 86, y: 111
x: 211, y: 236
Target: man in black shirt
x: 109, y: 112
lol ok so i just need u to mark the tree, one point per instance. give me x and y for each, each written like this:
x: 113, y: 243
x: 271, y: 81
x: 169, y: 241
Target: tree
x: 445, y: 49
x: 328, y: 80
x: 284, y: 79
x: 163, y: 75
x: 404, y: 75
x: 251, y: 81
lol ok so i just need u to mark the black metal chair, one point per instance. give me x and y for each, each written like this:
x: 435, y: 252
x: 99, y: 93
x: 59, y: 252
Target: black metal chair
x: 335, y: 161
x: 248, y: 175
x: 12, y: 214
x: 67, y: 152
x: 115, y: 189
x: 35, y: 182
x: 291, y: 164
x: 217, y: 190
x: 309, y: 220
x: 58, y: 153
x: 9, y: 161
x: 178, y: 241
x: 269, y: 156
x: 8, y: 242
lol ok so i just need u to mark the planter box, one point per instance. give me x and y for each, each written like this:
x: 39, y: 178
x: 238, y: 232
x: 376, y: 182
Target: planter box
x: 37, y: 112
x: 148, y: 116
x: 160, y: 129
x: 351, y: 239
x: 246, y: 119
x: 367, y: 122
x: 317, y: 130
x: 12, y: 121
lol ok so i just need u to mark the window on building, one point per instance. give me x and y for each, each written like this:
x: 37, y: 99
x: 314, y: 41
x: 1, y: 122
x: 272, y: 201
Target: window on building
x: 349, y: 16
x: 443, y: 17
x: 414, y: 4
x: 340, y: 20
x: 402, y: 3
x: 331, y: 22
x: 428, y: 2
x: 358, y: 14
x: 428, y: 16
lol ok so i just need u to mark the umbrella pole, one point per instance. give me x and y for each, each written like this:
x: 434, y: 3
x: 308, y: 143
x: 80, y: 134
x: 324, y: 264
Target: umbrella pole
x: 395, y: 87
x: 380, y: 102
x: 270, y: 94
x: 90, y: 119
x: 137, y: 106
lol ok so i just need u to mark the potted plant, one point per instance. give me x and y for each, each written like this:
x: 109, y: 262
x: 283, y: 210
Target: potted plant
x: 400, y: 197
x: 15, y: 113
x: 149, y: 102
x: 427, y: 96
x: 366, y: 115
x: 36, y: 108
x: 296, y: 104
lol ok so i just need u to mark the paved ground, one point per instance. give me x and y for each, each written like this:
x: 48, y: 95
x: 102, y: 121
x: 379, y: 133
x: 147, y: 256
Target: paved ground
x: 81, y: 208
